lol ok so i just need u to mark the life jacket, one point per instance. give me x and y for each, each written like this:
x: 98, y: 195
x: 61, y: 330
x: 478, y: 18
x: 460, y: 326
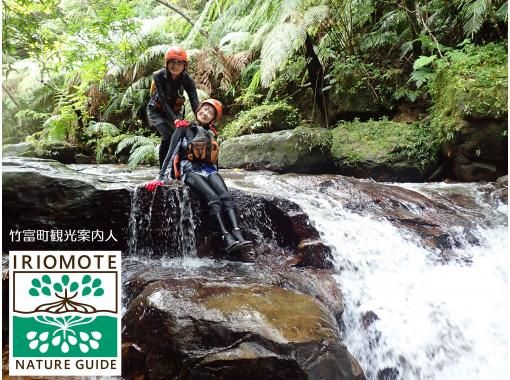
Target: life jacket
x: 203, y: 147
x: 176, y: 105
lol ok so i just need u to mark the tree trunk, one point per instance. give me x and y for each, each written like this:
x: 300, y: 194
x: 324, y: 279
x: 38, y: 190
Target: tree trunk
x: 9, y: 94
x: 316, y: 75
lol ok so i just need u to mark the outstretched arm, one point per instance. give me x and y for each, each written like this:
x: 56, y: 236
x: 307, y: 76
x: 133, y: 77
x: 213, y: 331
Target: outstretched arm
x: 172, y: 151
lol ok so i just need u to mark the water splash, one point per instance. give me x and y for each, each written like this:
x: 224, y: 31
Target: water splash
x: 407, y: 314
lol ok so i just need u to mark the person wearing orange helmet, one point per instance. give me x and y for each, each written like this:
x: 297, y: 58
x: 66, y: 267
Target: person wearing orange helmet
x: 165, y: 108
x: 193, y: 158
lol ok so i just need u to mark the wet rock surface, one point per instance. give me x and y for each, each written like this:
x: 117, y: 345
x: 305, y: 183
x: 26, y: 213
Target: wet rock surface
x: 442, y: 220
x: 278, y: 314
x: 45, y: 195
x: 242, y: 321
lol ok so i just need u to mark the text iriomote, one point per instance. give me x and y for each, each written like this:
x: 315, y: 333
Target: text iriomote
x: 49, y: 261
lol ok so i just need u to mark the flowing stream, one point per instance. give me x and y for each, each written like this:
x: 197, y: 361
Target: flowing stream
x: 407, y: 314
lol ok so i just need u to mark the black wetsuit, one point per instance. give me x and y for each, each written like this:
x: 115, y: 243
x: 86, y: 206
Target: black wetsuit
x: 160, y: 108
x: 202, y: 177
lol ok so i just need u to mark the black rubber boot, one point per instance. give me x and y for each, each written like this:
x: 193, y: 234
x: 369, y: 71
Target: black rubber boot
x: 229, y: 242
x: 236, y: 231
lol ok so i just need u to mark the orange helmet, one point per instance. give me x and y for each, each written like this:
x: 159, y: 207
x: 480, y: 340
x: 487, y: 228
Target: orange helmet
x: 176, y: 52
x: 217, y: 106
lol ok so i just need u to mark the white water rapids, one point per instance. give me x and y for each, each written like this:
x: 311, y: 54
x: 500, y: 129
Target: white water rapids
x: 434, y: 320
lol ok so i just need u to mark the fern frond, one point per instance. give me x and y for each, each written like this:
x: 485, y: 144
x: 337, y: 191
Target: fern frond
x: 378, y: 39
x: 190, y: 39
x: 279, y: 45
x: 134, y: 141
x: 148, y: 60
x: 102, y: 129
x: 502, y: 12
x: 234, y: 41
x: 143, y: 153
x: 475, y: 13
x: 314, y: 16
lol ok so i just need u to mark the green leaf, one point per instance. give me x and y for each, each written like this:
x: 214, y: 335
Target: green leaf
x: 423, y: 61
x: 96, y: 283
x: 46, y: 291
x: 36, y: 283
x: 33, y: 292
x: 58, y: 287
x: 86, y: 291
x: 74, y: 286
x: 46, y: 279
x: 86, y: 279
x: 99, y: 292
x: 65, y: 279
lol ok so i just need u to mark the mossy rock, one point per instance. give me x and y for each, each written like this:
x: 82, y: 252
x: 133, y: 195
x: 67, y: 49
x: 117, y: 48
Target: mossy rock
x: 384, y: 150
x: 301, y: 150
x: 474, y: 85
x: 470, y: 112
x: 263, y: 119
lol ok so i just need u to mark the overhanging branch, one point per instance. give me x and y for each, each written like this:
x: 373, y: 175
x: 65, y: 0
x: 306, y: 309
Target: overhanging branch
x: 184, y: 15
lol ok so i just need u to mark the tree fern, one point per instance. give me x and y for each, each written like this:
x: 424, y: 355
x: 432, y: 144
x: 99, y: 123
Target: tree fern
x: 279, y: 45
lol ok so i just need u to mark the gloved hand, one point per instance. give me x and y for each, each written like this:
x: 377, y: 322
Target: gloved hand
x: 151, y: 185
x: 181, y: 123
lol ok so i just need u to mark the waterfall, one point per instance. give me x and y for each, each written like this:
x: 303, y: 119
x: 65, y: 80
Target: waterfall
x: 169, y: 232
x: 407, y: 314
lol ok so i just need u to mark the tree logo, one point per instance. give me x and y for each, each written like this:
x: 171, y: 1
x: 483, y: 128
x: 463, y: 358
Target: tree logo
x: 65, y: 309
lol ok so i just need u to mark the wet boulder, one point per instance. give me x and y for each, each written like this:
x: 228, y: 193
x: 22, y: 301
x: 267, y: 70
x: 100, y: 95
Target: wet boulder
x: 197, y: 328
x: 45, y: 195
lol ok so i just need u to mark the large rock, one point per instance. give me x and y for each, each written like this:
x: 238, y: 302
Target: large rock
x: 384, y: 151
x: 263, y: 119
x: 443, y: 220
x: 479, y: 151
x: 198, y: 328
x: 470, y: 113
x: 46, y: 195
x: 301, y: 150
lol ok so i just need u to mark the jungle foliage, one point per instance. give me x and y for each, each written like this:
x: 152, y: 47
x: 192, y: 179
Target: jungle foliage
x: 71, y: 67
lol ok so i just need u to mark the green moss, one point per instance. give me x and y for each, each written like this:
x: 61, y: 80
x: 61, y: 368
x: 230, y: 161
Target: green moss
x: 471, y: 83
x: 264, y: 118
x: 383, y: 141
x: 310, y: 138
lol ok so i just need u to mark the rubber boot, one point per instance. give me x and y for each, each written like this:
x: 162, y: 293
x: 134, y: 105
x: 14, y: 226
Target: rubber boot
x: 228, y: 240
x: 236, y: 231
